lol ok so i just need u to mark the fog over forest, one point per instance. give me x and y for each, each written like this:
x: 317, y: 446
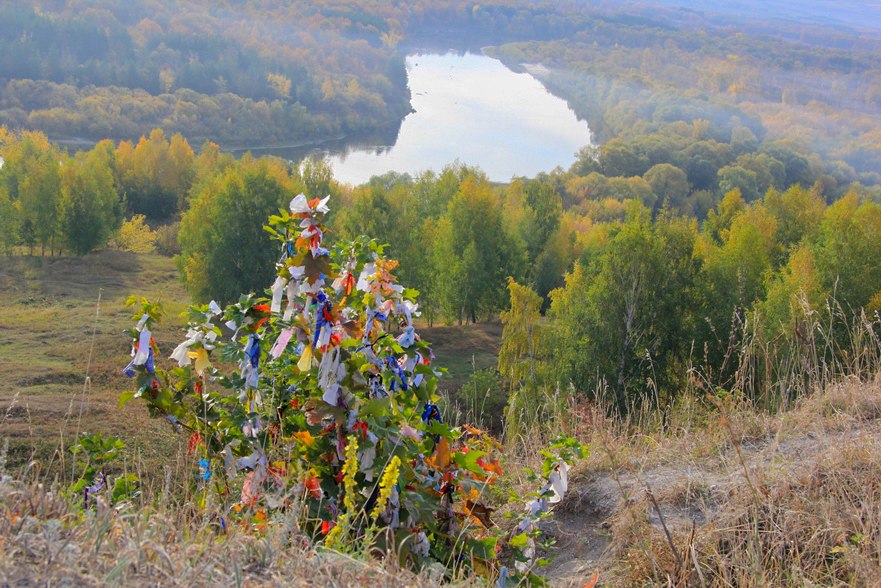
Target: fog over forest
x: 855, y: 14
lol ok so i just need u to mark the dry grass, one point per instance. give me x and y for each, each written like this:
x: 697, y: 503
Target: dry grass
x: 49, y: 310
x: 43, y: 542
x: 817, y: 524
x: 786, y: 500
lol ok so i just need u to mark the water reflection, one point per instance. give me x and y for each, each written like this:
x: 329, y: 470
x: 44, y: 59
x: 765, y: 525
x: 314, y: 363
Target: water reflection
x: 468, y: 108
x: 377, y: 142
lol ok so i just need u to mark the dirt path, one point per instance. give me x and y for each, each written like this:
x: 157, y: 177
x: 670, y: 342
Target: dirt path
x: 688, y: 493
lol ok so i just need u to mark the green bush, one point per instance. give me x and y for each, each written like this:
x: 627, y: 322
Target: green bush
x: 330, y: 417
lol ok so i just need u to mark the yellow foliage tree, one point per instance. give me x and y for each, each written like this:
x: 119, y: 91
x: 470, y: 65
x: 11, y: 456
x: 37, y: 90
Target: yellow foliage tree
x: 135, y: 236
x: 280, y: 85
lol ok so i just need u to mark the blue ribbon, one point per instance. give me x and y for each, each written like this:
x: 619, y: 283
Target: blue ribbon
x: 431, y: 413
x: 324, y: 305
x: 205, y: 465
x: 373, y: 315
x: 252, y: 350
x: 148, y: 365
x: 399, y: 372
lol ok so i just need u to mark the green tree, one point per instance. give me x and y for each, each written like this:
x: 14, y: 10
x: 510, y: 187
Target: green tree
x: 225, y: 250
x: 669, y: 184
x: 618, y: 158
x: 799, y: 213
x: 317, y: 176
x: 628, y: 321
x: 156, y: 174
x: 89, y: 202
x: 522, y: 336
x: 9, y: 222
x: 734, y: 177
x: 546, y: 208
x: 482, y: 251
x: 793, y: 292
x: 733, y: 280
x: 521, y: 363
x: 446, y: 272
x: 31, y: 175
x: 847, y: 251
x: 719, y: 221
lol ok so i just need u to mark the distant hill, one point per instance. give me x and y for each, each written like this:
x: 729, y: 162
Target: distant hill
x: 856, y: 14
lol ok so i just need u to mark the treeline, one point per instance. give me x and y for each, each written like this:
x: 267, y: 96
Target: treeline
x: 459, y: 237
x: 242, y: 75
x: 625, y: 290
x: 757, y: 301
x: 58, y: 202
x: 629, y: 281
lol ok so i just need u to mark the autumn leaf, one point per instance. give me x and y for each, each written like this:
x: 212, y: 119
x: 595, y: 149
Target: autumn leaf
x: 304, y: 437
x: 441, y: 458
x: 480, y: 512
x: 593, y: 581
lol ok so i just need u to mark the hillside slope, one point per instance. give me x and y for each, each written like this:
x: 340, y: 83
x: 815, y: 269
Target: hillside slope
x: 61, y: 320
x: 747, y: 499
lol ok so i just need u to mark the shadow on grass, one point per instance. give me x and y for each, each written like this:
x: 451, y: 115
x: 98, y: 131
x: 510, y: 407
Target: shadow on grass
x: 34, y: 278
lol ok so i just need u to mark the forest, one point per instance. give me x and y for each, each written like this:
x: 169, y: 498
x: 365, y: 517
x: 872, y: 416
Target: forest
x: 268, y: 73
x: 260, y: 73
x: 699, y: 244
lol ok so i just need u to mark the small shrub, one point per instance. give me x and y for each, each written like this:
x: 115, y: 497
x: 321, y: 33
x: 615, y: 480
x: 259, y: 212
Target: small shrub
x: 94, y: 453
x: 135, y: 236
x: 166, y: 240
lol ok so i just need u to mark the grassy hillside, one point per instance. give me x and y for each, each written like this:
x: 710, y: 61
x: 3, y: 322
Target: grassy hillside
x: 712, y: 493
x: 54, y: 332
x: 729, y: 497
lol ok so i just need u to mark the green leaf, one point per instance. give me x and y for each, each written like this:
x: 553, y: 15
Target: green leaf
x: 125, y: 397
x: 125, y: 487
x: 468, y: 461
x: 483, y: 549
x: 519, y: 541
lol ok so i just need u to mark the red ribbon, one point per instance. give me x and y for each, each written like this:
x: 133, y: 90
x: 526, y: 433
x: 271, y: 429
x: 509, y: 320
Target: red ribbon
x: 360, y: 426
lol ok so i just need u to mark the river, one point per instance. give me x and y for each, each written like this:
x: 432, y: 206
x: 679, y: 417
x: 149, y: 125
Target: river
x: 473, y: 109
x: 468, y: 108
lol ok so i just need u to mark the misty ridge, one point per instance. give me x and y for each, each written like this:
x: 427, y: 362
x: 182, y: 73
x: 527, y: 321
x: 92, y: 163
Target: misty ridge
x: 261, y: 73
x: 856, y: 15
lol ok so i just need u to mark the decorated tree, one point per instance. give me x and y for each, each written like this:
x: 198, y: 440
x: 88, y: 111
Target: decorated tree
x: 330, y: 416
